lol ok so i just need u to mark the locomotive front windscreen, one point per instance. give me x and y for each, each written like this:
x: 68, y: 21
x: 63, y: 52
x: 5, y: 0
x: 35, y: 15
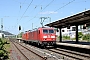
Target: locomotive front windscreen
x: 48, y: 31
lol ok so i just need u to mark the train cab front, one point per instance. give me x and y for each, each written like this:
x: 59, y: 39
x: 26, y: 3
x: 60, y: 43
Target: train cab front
x: 49, y: 37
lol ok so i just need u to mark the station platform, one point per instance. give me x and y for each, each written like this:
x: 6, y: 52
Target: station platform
x: 84, y: 45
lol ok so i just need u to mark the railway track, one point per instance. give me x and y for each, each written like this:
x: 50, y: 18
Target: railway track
x: 59, y: 53
x: 68, y: 54
x: 18, y: 46
x: 56, y: 53
x: 21, y: 51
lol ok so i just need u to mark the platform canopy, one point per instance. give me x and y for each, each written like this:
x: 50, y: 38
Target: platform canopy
x: 78, y: 19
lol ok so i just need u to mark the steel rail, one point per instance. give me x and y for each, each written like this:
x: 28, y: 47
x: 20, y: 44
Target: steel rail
x: 75, y: 57
x: 20, y: 51
x: 44, y: 58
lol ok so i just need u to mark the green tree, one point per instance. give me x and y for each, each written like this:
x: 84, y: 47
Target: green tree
x: 20, y: 34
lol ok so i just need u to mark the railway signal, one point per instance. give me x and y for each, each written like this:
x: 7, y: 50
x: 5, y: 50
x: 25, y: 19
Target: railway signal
x: 19, y: 27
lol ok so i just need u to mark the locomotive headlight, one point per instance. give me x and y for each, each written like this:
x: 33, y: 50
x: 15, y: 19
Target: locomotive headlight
x: 44, y: 36
x: 52, y: 36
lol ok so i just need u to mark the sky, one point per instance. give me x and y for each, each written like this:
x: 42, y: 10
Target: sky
x: 28, y: 13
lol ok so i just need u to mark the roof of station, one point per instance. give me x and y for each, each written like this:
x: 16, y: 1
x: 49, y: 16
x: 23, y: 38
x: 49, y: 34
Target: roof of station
x: 78, y: 19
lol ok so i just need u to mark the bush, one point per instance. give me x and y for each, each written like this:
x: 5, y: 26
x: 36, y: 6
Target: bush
x: 3, y: 52
x: 86, y: 37
x: 66, y: 37
x: 80, y: 35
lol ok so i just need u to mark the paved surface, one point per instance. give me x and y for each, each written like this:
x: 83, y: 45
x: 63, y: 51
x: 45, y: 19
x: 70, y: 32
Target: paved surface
x: 85, y: 45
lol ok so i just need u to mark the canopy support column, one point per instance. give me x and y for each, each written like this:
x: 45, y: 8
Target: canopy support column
x: 60, y: 35
x: 76, y: 33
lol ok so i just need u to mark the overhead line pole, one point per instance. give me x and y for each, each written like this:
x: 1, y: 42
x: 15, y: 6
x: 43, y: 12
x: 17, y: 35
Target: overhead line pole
x: 1, y: 25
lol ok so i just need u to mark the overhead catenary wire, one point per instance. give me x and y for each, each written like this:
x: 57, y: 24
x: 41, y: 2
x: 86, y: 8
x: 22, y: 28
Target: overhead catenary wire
x: 33, y: 10
x: 26, y: 9
x: 55, y: 10
x: 20, y: 2
x: 41, y: 10
x: 20, y: 10
x: 68, y: 4
x: 62, y: 6
x: 65, y: 5
x: 42, y: 7
x: 58, y: 8
x: 47, y: 5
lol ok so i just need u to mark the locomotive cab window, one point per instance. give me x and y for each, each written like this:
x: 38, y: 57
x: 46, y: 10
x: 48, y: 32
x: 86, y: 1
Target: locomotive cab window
x: 45, y: 31
x: 51, y: 31
x: 48, y: 31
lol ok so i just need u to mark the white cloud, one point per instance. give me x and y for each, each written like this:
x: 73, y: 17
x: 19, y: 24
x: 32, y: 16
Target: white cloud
x: 49, y: 12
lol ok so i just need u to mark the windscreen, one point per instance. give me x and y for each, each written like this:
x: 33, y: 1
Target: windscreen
x: 51, y: 31
x: 45, y: 31
x: 48, y: 31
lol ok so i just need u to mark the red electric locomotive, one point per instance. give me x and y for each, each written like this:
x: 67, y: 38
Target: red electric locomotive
x: 41, y: 36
